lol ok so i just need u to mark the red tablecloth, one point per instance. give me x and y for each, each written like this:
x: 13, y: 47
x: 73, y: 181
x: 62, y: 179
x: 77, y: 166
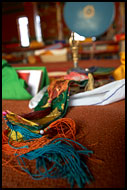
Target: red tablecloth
x: 64, y: 66
x: 99, y: 128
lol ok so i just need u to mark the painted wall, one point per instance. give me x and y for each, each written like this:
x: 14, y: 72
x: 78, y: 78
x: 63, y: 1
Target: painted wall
x: 9, y: 27
x: 49, y: 22
x: 47, y: 12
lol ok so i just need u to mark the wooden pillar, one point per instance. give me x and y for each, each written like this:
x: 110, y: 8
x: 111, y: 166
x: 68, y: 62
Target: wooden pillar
x: 122, y: 14
x: 31, y: 12
x: 59, y: 21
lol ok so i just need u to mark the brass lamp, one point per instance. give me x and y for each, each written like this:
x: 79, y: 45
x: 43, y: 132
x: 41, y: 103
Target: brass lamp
x: 74, y: 46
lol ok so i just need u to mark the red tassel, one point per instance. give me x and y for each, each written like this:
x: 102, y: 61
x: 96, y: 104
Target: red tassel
x: 37, y: 114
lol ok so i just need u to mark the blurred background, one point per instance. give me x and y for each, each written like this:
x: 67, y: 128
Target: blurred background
x: 31, y: 26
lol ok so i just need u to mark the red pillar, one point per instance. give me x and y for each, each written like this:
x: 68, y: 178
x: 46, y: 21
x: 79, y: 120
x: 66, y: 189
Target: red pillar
x: 30, y: 9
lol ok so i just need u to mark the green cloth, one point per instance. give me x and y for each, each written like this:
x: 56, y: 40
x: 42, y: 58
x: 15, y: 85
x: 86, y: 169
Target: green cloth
x: 103, y: 71
x: 60, y: 102
x: 13, y: 87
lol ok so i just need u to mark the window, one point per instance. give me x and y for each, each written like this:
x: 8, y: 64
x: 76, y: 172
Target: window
x: 38, y: 29
x: 24, y: 33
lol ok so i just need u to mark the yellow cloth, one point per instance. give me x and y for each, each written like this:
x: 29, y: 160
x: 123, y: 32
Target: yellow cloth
x: 12, y: 135
x: 119, y: 73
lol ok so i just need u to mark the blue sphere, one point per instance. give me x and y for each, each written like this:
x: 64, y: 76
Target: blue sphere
x: 89, y: 18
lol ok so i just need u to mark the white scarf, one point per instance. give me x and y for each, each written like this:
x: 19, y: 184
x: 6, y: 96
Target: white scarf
x: 106, y: 94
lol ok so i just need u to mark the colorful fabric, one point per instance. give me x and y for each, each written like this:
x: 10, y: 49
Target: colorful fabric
x: 57, y: 97
x: 83, y: 71
x: 52, y: 106
x: 96, y: 71
x: 15, y: 88
x: 102, y: 77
